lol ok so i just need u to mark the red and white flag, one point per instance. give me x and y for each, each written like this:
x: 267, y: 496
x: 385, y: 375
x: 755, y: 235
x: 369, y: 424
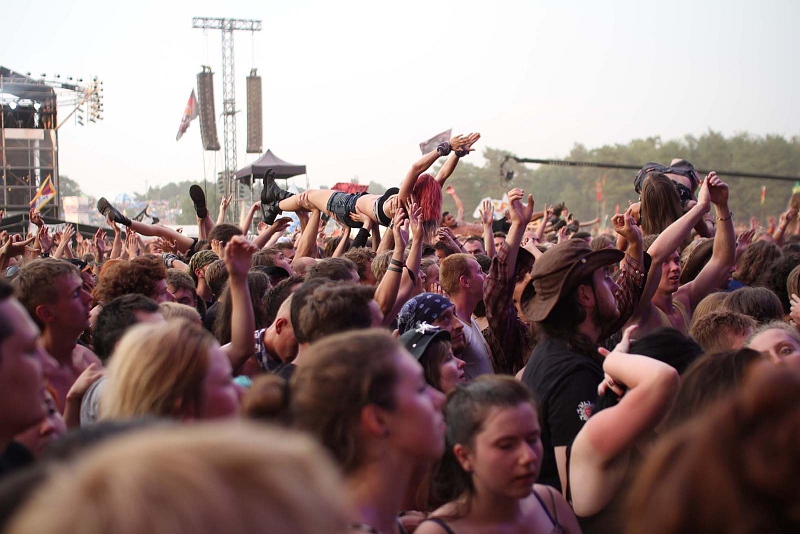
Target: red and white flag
x: 431, y: 144
x: 191, y: 112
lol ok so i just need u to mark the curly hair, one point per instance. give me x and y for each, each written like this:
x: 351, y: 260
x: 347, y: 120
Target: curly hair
x: 140, y: 275
x: 755, y: 260
x: 362, y: 257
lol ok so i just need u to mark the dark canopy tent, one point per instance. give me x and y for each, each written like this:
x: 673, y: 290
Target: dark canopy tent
x: 256, y: 170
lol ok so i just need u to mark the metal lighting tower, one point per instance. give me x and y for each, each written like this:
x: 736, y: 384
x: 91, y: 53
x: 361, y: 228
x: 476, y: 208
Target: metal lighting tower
x: 228, y: 26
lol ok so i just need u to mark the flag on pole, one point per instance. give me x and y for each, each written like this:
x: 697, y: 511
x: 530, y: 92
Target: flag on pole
x: 763, y: 194
x: 45, y: 194
x: 191, y: 112
x: 431, y: 144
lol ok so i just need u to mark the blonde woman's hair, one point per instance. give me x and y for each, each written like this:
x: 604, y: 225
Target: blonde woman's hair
x: 197, y: 479
x: 157, y: 369
x: 175, y: 310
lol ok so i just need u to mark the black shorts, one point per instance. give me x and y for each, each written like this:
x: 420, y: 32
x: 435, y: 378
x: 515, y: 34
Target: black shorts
x: 342, y: 205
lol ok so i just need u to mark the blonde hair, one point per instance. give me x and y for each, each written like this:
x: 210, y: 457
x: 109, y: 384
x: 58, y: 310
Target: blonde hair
x: 175, y: 310
x: 157, y: 369
x: 198, y: 479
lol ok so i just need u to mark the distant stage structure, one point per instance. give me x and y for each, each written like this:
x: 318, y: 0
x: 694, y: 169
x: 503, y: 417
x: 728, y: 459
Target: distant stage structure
x: 29, y: 108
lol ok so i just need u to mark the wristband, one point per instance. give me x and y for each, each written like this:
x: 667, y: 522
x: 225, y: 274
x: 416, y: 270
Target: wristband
x: 461, y: 152
x: 397, y: 263
x: 169, y: 259
x: 444, y: 148
x: 394, y: 269
x: 728, y: 218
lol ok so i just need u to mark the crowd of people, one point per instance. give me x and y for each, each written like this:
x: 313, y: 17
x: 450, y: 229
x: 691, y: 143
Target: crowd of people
x: 413, y: 372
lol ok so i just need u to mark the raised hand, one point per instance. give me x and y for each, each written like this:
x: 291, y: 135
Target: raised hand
x: 520, y: 213
x: 795, y: 309
x: 624, y: 345
x: 400, y: 228
x: 450, y: 190
x: 35, y: 217
x: 487, y: 213
x: 471, y: 140
x: 225, y: 202
x: 704, y: 196
x: 363, y: 218
x: 754, y: 223
x: 44, y: 239
x: 745, y: 238
x: 562, y: 234
x: 414, y: 212
x: 717, y: 189
x: 99, y: 241
x: 625, y: 225
x: 238, y: 255
x: 304, y: 201
x: 131, y: 244
x: 15, y: 246
x: 788, y: 217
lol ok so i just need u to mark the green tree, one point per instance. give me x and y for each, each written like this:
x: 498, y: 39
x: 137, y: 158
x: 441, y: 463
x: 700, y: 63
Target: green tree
x: 68, y: 187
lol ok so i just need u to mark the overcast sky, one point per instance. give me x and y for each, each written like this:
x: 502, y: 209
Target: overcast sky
x: 352, y: 87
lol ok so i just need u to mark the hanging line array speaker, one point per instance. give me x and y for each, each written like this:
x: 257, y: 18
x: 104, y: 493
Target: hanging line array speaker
x: 208, y: 119
x: 255, y: 139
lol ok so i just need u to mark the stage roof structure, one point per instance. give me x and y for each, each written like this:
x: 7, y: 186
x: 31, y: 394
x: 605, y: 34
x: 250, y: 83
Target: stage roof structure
x: 255, y: 171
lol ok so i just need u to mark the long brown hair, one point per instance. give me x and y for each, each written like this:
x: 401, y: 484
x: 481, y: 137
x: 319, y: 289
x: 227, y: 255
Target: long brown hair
x: 340, y: 375
x: 661, y: 205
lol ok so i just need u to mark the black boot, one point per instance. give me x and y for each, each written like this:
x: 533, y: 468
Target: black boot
x: 270, y: 212
x: 199, y: 200
x: 107, y: 210
x: 271, y: 192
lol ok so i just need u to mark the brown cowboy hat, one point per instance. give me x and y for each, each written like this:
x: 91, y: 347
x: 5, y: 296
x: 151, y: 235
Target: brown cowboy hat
x: 558, y: 271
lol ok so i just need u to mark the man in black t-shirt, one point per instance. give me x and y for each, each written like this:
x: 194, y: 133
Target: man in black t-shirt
x: 573, y: 300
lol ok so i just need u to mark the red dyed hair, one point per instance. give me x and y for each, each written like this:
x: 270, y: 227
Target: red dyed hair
x: 428, y: 193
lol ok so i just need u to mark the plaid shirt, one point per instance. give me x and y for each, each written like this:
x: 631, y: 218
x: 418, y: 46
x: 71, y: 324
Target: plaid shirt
x: 513, y: 336
x: 267, y: 361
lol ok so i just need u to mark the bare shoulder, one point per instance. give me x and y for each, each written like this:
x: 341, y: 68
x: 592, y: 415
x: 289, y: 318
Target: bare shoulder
x: 83, y: 357
x: 558, y: 507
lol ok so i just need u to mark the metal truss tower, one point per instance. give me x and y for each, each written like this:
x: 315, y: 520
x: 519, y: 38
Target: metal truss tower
x: 228, y: 26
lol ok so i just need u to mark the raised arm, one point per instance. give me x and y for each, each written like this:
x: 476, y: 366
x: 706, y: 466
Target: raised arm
x: 451, y: 163
x: 386, y: 292
x: 223, y: 207
x: 307, y: 244
x: 423, y: 164
x: 724, y: 253
x: 487, y: 218
x: 238, y: 254
x: 459, y: 205
x: 520, y: 215
x: 786, y: 219
x: 248, y: 218
x: 268, y: 232
x: 609, y: 435
x: 341, y: 248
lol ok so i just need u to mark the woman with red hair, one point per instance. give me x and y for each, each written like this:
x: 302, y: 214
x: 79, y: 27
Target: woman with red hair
x: 426, y: 190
